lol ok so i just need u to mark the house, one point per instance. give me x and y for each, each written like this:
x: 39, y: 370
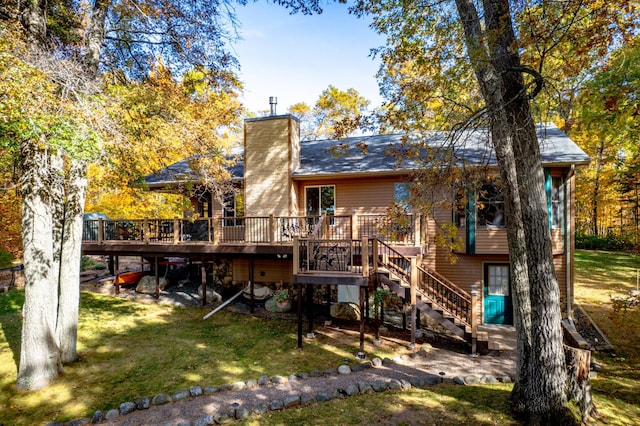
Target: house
x: 302, y: 215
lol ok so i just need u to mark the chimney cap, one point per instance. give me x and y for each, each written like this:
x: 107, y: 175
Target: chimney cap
x: 273, y: 101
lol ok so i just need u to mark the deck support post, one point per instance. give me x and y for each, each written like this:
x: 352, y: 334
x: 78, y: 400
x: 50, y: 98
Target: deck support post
x: 176, y: 230
x: 203, y: 280
x: 117, y: 274
x: 309, y: 301
x: 414, y: 288
x: 145, y: 230
x: 299, y: 316
x: 272, y: 229
x: 361, y: 354
x: 251, y: 286
x: 474, y: 318
x: 155, y: 268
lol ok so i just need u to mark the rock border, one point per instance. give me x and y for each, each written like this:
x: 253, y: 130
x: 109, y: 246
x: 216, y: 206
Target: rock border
x: 242, y: 411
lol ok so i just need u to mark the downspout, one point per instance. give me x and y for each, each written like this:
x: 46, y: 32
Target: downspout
x: 567, y: 241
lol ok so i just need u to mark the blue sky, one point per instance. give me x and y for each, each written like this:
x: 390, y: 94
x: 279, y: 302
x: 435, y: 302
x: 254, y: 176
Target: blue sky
x: 296, y: 57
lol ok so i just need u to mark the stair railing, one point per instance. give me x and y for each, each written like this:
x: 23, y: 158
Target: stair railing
x: 432, y: 285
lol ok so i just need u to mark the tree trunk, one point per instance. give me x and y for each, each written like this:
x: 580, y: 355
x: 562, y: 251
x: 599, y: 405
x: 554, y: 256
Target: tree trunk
x: 539, y: 394
x: 39, y: 354
x: 69, y: 299
x: 95, y: 36
x: 596, y: 190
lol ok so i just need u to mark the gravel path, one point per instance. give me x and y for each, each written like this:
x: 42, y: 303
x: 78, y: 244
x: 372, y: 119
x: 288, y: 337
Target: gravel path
x: 419, y: 370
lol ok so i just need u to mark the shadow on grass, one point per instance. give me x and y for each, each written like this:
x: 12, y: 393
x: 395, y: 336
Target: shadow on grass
x: 130, y: 350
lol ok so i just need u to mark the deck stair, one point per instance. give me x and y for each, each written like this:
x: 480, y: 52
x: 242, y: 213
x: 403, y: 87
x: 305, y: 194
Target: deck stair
x: 437, y: 297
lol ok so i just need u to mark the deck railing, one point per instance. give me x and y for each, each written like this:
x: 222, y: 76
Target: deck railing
x: 254, y: 230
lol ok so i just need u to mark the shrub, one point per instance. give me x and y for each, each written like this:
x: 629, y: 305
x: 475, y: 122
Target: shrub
x: 609, y: 242
x: 6, y: 259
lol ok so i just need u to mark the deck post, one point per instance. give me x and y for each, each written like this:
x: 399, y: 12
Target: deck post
x: 117, y: 274
x: 374, y: 255
x: 296, y: 255
x: 100, y: 230
x: 203, y: 280
x: 155, y: 266
x: 272, y: 229
x: 417, y: 225
x: 361, y: 354
x: 145, y: 230
x: 354, y: 225
x: 365, y: 256
x: 176, y: 230
x: 414, y: 287
x: 474, y: 318
x: 299, y: 316
x: 216, y: 230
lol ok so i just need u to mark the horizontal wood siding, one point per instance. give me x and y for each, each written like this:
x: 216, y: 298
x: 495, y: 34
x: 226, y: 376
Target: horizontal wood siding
x: 491, y: 241
x: 274, y: 270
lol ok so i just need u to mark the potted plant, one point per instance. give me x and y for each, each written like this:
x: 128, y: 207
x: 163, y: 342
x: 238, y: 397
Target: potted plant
x: 281, y: 296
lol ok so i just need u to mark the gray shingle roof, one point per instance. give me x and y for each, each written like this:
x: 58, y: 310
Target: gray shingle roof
x: 316, y: 158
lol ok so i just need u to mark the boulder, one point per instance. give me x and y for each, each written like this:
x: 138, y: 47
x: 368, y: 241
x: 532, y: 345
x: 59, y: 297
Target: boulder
x: 345, y: 310
x: 147, y: 284
x: 272, y: 306
x: 212, y: 295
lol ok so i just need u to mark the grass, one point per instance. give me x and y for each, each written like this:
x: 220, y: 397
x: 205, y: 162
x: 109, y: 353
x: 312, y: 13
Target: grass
x: 598, y: 275
x: 130, y: 350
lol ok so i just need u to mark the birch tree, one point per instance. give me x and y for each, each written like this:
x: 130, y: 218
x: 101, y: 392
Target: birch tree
x: 68, y: 45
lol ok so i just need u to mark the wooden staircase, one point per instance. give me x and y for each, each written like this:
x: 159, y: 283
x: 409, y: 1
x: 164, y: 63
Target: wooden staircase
x: 436, y: 296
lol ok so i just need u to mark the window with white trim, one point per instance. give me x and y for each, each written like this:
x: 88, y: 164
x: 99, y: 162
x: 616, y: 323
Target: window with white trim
x: 319, y: 200
x: 557, y: 202
x: 498, y: 280
x: 233, y: 209
x: 490, y: 206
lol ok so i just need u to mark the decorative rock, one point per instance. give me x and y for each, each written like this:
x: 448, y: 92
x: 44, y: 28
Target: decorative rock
x: 425, y: 349
x: 345, y: 310
x: 344, y: 369
x: 181, y: 394
x: 238, y: 386
x: 505, y: 379
x: 379, y: 385
x: 417, y: 382
x: 387, y: 361
x: 324, y: 396
x: 212, y: 295
x: 263, y: 380
x: 147, y: 284
x: 292, y: 401
x: 222, y: 418
x: 471, y: 379
x: 276, y: 380
x: 252, y: 384
x: 127, y: 407
x: 293, y: 378
x: 276, y: 404
x: 405, y: 384
x: 394, y: 384
x: 261, y: 408
x: 459, y: 381
x: 195, y: 391
x: 224, y: 388
x: 365, y: 387
x: 303, y: 376
x: 339, y: 394
x: 330, y: 372
x: 160, y: 399
x: 596, y: 367
x: 208, y: 390
x: 204, y: 421
x: 357, y: 368
x: 352, y: 390
x: 143, y: 403
x: 97, y: 417
x: 376, y: 362
x: 433, y: 380
x: 242, y: 412
x: 414, y: 356
x: 367, y: 364
x: 78, y: 422
x: 315, y: 373
x: 488, y: 378
x: 306, y: 398
x: 112, y: 414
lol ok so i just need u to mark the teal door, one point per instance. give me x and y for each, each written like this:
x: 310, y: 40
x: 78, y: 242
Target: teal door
x: 498, y: 307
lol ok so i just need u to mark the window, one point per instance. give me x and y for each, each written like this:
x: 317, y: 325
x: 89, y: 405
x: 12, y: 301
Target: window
x: 490, y: 208
x: 319, y: 200
x: 498, y: 280
x: 557, y: 202
x: 204, y: 205
x: 401, y: 194
x: 233, y: 209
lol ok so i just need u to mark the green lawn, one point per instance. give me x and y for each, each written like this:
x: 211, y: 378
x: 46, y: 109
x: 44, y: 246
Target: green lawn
x: 130, y: 350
